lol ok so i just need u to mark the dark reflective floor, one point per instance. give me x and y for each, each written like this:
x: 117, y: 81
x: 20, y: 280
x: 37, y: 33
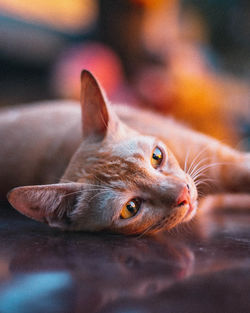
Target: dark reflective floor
x: 206, y: 269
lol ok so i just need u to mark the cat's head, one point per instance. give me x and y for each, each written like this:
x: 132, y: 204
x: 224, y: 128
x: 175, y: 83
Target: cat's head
x: 118, y: 180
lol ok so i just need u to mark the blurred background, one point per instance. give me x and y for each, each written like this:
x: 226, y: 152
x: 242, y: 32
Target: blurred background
x: 185, y: 58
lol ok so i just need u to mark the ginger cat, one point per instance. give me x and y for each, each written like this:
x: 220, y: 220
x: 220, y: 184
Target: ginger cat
x: 125, y: 170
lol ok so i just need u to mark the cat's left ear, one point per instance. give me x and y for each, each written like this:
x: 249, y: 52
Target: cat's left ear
x: 51, y: 204
x: 95, y: 109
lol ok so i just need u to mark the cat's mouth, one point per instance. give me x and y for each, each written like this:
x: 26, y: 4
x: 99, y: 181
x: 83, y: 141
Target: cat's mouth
x: 184, y: 212
x: 190, y: 205
x: 190, y: 209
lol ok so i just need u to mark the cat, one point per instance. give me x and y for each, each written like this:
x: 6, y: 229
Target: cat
x: 125, y: 170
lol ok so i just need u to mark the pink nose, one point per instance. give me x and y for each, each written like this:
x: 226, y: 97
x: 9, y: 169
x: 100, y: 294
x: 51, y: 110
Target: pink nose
x: 184, y: 196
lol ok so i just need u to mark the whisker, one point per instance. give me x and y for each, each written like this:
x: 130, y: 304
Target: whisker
x: 186, y: 160
x: 101, y: 181
x: 197, y: 165
x: 205, y: 167
x: 186, y: 228
x: 82, y: 183
x: 199, y: 176
x: 201, y: 194
x: 145, y: 232
x: 97, y: 194
x: 71, y: 193
x: 82, y: 190
x: 172, y: 231
x: 205, y: 181
x: 177, y: 229
x: 148, y: 229
x: 196, y: 157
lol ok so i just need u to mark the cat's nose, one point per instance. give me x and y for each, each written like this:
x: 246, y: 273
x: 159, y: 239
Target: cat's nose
x: 184, y: 196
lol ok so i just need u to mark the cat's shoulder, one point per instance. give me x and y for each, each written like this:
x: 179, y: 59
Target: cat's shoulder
x: 126, y: 112
x: 145, y: 119
x: 43, y: 109
x: 43, y: 106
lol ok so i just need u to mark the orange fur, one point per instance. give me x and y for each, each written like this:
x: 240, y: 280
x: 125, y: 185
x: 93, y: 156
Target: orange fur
x: 110, y: 165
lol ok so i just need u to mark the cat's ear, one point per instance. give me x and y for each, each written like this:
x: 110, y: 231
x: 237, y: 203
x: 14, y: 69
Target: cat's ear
x: 51, y: 204
x: 95, y: 110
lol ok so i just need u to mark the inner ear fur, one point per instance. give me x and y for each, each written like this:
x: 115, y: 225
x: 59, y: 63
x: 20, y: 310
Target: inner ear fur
x: 95, y: 109
x: 51, y: 204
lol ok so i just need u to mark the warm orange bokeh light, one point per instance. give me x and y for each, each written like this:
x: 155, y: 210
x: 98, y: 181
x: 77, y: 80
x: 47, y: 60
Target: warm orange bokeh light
x: 64, y: 15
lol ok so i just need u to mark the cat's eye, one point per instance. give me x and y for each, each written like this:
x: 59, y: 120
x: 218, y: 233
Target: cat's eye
x: 130, y: 208
x: 157, y: 157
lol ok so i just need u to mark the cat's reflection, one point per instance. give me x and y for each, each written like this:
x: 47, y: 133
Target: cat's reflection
x: 100, y: 270
x: 73, y: 272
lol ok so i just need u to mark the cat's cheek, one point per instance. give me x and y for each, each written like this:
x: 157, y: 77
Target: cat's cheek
x: 138, y: 224
x: 128, y: 227
x: 175, y: 218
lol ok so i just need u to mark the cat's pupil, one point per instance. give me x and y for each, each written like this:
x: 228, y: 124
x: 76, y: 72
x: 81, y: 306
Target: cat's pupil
x: 131, y: 206
x: 157, y: 157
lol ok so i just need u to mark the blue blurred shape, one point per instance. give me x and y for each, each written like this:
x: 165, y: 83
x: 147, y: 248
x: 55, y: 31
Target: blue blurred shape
x: 36, y: 292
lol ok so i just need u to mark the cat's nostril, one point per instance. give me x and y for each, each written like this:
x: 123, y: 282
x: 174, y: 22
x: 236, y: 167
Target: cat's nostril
x: 182, y: 203
x: 183, y: 197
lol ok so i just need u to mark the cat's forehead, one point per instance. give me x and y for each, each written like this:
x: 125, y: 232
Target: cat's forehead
x: 137, y: 144
x: 118, y: 162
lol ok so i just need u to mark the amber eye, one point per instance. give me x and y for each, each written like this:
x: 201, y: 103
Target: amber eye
x: 130, y: 208
x: 157, y: 157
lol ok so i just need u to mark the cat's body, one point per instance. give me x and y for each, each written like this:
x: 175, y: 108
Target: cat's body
x: 44, y: 137
x: 38, y: 142
x: 37, y: 150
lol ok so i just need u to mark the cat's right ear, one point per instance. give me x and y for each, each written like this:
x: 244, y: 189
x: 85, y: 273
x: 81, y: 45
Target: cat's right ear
x: 52, y: 204
x: 95, y: 109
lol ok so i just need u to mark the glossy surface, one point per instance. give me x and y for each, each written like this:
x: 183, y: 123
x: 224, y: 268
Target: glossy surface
x: 204, y: 269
